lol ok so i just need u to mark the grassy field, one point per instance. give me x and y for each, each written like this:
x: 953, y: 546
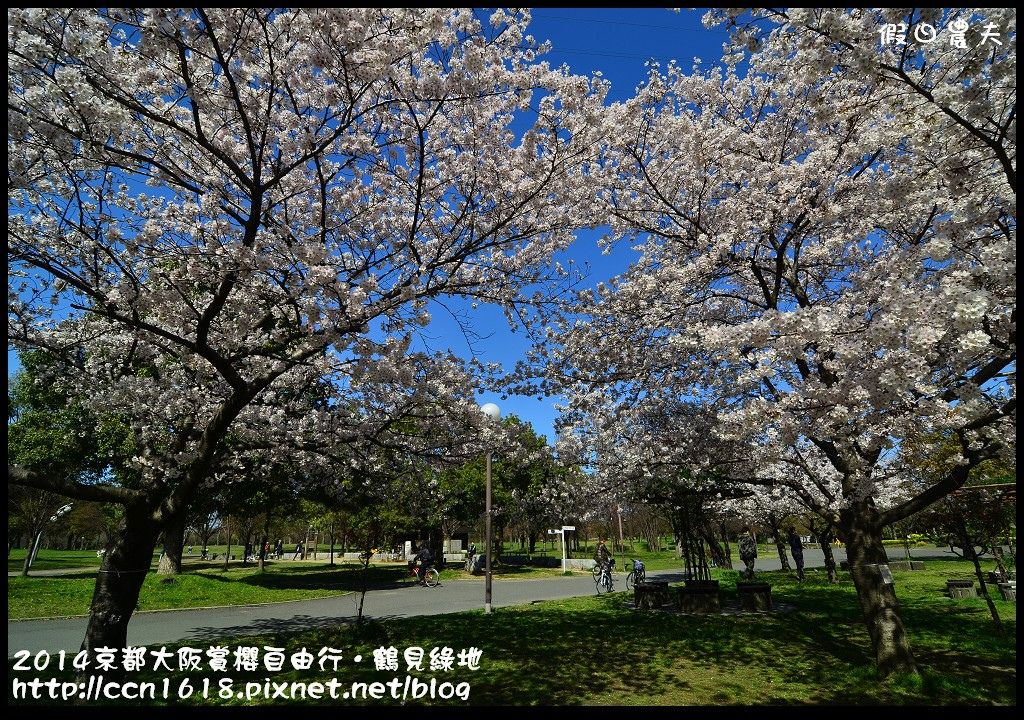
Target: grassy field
x: 202, y: 584
x: 812, y: 651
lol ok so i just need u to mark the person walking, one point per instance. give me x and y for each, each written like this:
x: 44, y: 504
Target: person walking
x: 748, y: 553
x: 796, y: 547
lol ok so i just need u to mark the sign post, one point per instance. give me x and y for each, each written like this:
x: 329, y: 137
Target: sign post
x: 565, y: 528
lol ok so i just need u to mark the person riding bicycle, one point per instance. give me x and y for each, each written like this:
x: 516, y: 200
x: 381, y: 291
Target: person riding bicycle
x: 602, y: 555
x: 425, y: 560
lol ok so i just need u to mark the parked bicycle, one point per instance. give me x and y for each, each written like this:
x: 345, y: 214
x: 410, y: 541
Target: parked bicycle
x: 431, y: 578
x: 603, y: 577
x: 637, y: 575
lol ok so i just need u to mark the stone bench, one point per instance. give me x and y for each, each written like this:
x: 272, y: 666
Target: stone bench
x: 1008, y: 590
x: 376, y: 557
x: 699, y: 596
x: 531, y: 561
x: 905, y: 565
x: 995, y: 578
x: 651, y: 595
x: 754, y: 596
x: 959, y: 589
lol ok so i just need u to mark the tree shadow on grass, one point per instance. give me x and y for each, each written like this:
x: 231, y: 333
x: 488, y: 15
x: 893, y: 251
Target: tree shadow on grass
x: 598, y: 650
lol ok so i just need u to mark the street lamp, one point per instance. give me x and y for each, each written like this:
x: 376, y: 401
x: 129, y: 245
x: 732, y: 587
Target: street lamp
x: 493, y: 413
x: 39, y: 536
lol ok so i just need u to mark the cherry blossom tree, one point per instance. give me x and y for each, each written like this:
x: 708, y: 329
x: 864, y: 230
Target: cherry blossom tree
x: 231, y: 225
x: 825, y: 229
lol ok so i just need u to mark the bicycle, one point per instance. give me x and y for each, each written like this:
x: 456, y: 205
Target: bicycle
x: 603, y: 579
x: 596, y: 570
x: 637, y: 575
x: 431, y: 579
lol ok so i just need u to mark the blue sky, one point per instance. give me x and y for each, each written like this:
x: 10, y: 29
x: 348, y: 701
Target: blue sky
x: 617, y: 42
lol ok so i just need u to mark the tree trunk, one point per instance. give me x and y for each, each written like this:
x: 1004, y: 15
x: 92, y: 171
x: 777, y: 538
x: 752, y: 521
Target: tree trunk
x: 866, y: 553
x: 967, y: 543
x: 227, y: 553
x: 118, y: 582
x: 783, y: 553
x: 780, y: 542
x: 716, y: 554
x: 174, y: 541
x: 262, y: 553
x: 830, y: 559
x: 28, y: 556
x: 687, y: 526
x: 725, y: 560
x: 997, y: 555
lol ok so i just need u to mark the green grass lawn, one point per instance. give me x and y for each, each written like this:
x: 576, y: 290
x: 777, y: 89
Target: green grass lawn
x: 202, y: 584
x: 595, y: 650
x: 52, y: 560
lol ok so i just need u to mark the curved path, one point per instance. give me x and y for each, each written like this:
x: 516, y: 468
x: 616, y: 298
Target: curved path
x: 203, y: 626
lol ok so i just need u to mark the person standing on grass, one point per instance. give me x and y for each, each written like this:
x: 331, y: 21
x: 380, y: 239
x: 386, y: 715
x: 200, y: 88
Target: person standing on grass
x: 748, y: 553
x: 796, y: 547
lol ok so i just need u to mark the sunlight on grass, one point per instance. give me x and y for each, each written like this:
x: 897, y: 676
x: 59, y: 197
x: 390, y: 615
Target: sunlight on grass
x: 598, y: 650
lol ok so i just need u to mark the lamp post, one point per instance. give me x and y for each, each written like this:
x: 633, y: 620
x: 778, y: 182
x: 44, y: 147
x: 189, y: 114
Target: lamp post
x: 493, y: 413
x: 39, y: 536
x: 622, y: 544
